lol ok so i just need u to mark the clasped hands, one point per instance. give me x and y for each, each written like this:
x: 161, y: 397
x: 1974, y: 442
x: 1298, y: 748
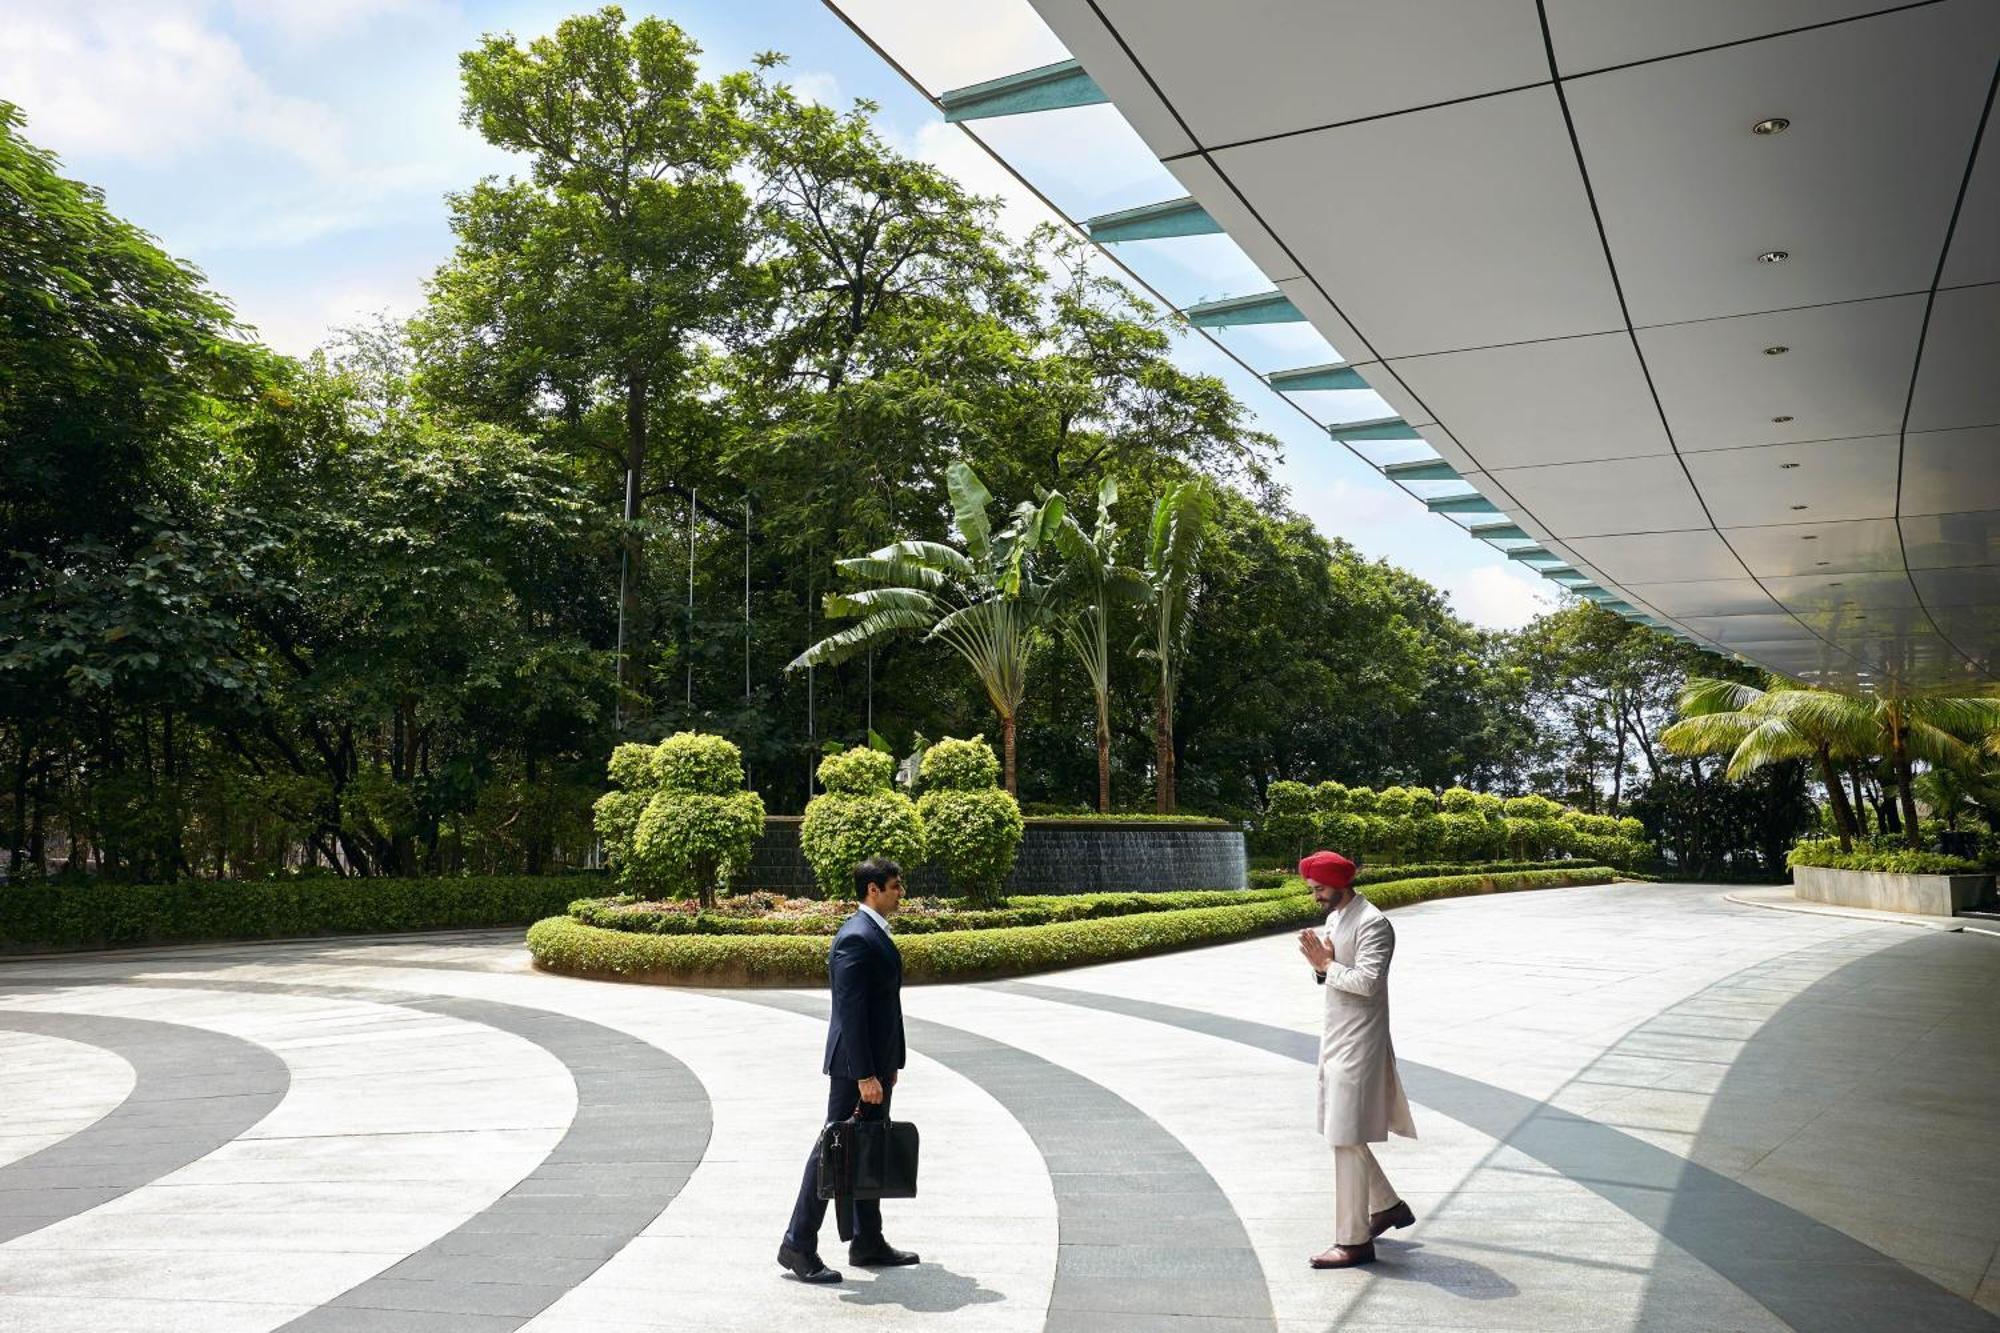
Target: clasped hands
x: 1317, y: 951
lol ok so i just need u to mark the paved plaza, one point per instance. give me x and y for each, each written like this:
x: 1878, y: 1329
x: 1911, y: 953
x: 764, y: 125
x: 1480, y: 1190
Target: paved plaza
x: 1640, y: 1106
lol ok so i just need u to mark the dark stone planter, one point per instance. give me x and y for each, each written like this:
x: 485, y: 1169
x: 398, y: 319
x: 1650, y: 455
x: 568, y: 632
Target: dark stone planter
x: 1057, y: 856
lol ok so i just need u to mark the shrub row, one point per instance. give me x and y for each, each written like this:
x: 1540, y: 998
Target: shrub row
x: 1455, y: 824
x: 563, y: 944
x: 918, y: 917
x: 54, y: 915
x: 1384, y: 874
x: 1825, y: 854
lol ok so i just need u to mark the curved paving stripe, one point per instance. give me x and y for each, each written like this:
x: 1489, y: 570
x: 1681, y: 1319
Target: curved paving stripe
x: 1146, y: 1237
x: 193, y: 1091
x: 1806, y: 1273
x: 641, y: 1127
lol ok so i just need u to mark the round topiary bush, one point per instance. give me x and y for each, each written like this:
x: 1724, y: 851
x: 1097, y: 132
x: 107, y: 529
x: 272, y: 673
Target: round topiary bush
x: 859, y: 815
x: 973, y: 828
x: 1289, y: 819
x: 1458, y: 801
x: 682, y: 825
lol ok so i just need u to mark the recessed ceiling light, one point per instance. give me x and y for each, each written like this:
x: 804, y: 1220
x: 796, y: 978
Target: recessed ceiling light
x: 1775, y: 125
x: 1774, y: 256
x: 1787, y: 466
x: 1776, y: 349
x: 1780, y: 420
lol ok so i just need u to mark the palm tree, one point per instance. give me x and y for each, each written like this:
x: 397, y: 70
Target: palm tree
x: 1181, y: 520
x: 1943, y: 732
x: 1757, y: 727
x: 1091, y: 583
x: 985, y: 602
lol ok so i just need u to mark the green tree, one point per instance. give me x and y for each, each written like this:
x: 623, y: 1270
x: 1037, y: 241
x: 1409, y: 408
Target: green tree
x: 1090, y: 588
x: 985, y: 602
x: 581, y: 297
x: 1181, y: 519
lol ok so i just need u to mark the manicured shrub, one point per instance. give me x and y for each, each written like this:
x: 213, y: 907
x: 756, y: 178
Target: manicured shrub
x: 972, y: 829
x: 1826, y: 854
x: 1393, y: 801
x: 683, y: 823
x: 859, y: 815
x: 95, y: 914
x: 1290, y: 819
x: 1458, y: 801
x: 1330, y: 798
x: 562, y: 944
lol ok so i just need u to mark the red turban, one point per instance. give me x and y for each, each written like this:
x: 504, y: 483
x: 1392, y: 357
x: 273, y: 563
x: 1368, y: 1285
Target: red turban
x: 1328, y: 868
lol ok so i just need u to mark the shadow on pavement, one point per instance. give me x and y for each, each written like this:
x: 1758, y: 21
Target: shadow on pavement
x: 924, y: 1288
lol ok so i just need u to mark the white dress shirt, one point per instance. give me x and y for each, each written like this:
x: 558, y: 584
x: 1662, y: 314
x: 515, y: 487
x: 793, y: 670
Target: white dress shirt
x: 878, y: 919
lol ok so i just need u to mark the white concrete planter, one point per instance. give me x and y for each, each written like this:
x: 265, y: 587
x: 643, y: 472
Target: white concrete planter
x: 1926, y: 895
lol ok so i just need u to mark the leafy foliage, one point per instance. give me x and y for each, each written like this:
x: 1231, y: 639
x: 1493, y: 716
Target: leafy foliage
x: 681, y: 825
x: 858, y: 816
x: 562, y: 944
x: 1827, y: 855
x: 973, y: 829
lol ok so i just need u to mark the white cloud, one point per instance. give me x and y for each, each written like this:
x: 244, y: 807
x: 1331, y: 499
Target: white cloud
x: 303, y: 21
x: 818, y: 87
x: 150, y: 83
x: 1493, y: 597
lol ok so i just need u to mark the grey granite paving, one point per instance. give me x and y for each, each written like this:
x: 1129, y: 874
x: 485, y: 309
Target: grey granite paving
x: 194, y: 1090
x: 1146, y: 1237
x: 1802, y: 1270
x: 641, y: 1127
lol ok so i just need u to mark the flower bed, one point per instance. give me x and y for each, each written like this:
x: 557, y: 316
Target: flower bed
x: 1154, y: 923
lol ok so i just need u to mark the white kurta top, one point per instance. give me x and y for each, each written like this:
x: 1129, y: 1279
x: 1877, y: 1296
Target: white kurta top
x: 1360, y: 1094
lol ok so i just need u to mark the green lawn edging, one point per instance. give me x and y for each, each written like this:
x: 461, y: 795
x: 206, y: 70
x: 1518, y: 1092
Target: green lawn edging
x: 53, y: 916
x: 563, y: 944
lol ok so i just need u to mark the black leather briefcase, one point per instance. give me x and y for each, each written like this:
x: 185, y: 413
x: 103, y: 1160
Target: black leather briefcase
x: 868, y: 1159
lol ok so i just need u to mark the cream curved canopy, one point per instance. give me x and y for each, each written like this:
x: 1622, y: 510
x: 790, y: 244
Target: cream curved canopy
x: 1697, y: 304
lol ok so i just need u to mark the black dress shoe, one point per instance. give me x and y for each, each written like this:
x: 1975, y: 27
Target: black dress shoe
x: 878, y: 1253
x: 806, y: 1267
x: 1396, y: 1215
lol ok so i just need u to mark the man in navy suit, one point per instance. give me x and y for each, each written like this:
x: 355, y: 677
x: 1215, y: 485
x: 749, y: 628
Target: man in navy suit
x: 864, y: 1049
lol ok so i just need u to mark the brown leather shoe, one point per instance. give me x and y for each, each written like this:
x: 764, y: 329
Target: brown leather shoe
x: 1397, y: 1215
x: 1345, y: 1256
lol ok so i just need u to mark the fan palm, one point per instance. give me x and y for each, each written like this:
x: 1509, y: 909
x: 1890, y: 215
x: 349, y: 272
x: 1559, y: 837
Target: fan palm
x: 1757, y: 727
x: 1181, y: 519
x: 985, y: 602
x: 1091, y: 584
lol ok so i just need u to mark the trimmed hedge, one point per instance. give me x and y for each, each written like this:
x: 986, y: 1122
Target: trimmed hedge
x: 1023, y: 910
x: 55, y: 915
x: 1386, y: 874
x: 1826, y: 855
x: 562, y: 944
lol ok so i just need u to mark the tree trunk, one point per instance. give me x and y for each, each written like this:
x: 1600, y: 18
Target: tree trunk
x: 635, y: 464
x: 1103, y: 756
x: 1007, y: 753
x: 1900, y: 753
x: 1163, y: 754
x: 1860, y: 800
x: 1843, y: 817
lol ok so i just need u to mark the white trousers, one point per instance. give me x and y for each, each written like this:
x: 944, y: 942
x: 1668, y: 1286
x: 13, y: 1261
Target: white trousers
x: 1359, y: 1188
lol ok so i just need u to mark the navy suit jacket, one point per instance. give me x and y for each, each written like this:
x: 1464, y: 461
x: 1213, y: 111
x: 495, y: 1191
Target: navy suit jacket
x: 865, y: 973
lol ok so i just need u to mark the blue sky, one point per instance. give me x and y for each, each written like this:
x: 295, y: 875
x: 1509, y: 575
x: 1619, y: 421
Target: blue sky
x: 298, y: 151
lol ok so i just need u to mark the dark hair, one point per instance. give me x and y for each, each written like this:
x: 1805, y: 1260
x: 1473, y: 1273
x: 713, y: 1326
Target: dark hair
x: 877, y: 870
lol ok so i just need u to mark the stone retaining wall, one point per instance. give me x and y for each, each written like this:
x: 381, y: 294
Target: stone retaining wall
x: 1927, y: 895
x: 1058, y: 856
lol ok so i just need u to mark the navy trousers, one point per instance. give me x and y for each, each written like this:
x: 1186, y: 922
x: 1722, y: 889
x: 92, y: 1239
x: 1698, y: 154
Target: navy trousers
x: 858, y: 1219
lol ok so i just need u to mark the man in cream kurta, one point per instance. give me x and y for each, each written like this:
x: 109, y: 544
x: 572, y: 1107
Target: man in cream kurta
x: 1360, y: 1093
